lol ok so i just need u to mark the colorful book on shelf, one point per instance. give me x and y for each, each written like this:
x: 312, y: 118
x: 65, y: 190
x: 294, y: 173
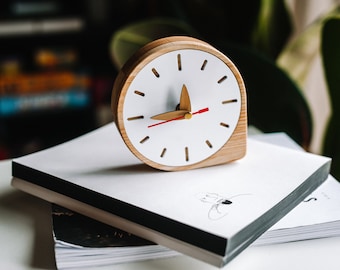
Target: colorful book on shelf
x: 211, y: 214
x: 43, y: 91
x: 10, y: 105
x: 42, y: 82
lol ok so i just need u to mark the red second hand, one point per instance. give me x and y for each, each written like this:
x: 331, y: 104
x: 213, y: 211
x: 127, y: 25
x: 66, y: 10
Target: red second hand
x: 178, y: 118
x: 201, y: 111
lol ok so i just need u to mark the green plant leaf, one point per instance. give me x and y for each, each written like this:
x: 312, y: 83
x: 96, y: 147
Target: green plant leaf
x: 330, y: 47
x: 273, y: 27
x: 298, y: 55
x: 130, y: 38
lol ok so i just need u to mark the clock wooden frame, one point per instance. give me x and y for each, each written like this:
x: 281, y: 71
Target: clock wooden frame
x: 233, y: 149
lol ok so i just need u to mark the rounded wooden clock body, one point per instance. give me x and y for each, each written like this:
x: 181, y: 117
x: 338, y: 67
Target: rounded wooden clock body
x: 180, y: 104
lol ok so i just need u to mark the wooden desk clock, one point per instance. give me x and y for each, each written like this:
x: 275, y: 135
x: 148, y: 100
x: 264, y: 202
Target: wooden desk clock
x: 180, y: 104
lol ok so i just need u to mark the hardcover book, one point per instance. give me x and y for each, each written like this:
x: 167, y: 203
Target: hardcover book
x: 211, y: 214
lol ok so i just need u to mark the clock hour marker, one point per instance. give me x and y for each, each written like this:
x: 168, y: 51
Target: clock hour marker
x: 139, y: 93
x: 163, y: 152
x: 154, y: 71
x: 222, y: 79
x: 179, y: 62
x: 135, y: 117
x: 208, y: 143
x: 224, y: 125
x: 204, y: 64
x: 144, y: 139
x: 186, y: 149
x: 229, y: 101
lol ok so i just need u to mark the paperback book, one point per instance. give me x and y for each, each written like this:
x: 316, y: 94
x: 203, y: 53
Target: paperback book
x: 81, y: 241
x: 211, y: 214
x: 84, y: 242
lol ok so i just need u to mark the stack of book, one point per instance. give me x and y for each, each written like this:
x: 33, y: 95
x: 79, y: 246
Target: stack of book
x: 211, y: 214
x: 84, y: 242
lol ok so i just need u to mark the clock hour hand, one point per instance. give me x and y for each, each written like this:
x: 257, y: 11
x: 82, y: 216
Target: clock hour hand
x: 170, y: 115
x: 184, y: 103
x: 186, y: 115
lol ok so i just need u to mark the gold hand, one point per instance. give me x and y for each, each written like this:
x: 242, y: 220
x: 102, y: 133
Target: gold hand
x: 184, y: 103
x: 187, y: 115
x: 170, y: 115
x: 184, y: 108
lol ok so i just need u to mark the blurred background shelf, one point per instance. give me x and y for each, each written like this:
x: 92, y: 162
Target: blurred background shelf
x: 55, y: 72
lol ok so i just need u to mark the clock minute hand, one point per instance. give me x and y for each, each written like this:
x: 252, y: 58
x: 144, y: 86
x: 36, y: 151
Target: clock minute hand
x: 184, y: 103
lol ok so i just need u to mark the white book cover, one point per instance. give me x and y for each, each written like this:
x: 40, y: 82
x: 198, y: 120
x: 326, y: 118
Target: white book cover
x: 317, y: 216
x: 211, y: 213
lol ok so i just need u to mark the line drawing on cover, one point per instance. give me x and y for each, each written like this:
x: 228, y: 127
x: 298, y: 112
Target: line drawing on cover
x: 220, y: 205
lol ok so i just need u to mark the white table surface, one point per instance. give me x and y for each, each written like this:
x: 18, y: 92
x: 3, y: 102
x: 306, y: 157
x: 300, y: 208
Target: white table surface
x: 26, y: 242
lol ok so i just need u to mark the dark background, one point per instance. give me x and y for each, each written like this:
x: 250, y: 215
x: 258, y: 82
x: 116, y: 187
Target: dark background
x: 228, y: 25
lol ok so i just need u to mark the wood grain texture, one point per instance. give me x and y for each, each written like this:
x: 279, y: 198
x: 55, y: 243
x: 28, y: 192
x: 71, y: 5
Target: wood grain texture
x: 233, y: 149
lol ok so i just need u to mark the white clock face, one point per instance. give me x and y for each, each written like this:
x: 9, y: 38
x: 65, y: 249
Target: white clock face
x: 181, y: 107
